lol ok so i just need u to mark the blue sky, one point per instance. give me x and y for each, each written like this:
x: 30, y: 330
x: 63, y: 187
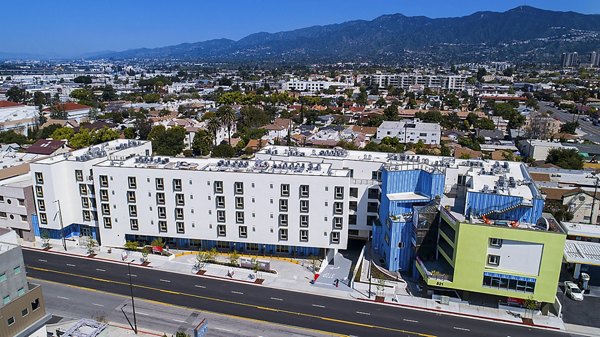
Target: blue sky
x: 71, y: 27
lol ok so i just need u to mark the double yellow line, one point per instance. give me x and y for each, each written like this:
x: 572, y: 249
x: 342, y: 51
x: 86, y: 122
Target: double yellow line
x: 228, y: 302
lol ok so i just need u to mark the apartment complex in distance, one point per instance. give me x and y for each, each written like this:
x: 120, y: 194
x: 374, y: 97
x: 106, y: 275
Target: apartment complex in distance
x: 405, y: 81
x: 409, y: 131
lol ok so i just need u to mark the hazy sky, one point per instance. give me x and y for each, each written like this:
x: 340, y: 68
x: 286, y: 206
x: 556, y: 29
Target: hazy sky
x: 71, y: 27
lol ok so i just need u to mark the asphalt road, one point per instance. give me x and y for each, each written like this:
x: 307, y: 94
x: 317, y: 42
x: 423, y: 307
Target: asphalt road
x: 592, y: 131
x: 346, y: 317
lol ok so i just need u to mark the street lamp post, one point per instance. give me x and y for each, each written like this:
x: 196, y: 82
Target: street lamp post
x: 135, y: 329
x: 594, y: 199
x: 62, y: 227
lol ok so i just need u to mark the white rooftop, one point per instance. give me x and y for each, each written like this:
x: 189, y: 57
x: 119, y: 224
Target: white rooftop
x: 583, y: 252
x: 406, y: 196
x: 583, y: 230
x: 99, y: 151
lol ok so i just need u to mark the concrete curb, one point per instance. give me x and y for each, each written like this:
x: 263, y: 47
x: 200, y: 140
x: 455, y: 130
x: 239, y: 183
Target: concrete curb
x: 462, y: 314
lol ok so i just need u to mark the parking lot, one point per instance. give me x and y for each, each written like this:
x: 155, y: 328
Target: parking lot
x: 583, y: 312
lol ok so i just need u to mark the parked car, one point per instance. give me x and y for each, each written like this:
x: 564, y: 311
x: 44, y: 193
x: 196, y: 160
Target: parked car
x: 573, y: 291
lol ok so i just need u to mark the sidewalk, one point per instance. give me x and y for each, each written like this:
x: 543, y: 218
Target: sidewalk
x: 296, y: 274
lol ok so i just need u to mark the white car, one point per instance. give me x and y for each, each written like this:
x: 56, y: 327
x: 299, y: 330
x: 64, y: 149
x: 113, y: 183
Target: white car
x: 573, y: 291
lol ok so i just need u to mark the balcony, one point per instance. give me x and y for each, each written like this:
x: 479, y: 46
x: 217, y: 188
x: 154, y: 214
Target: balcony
x: 435, y: 272
x: 404, y: 217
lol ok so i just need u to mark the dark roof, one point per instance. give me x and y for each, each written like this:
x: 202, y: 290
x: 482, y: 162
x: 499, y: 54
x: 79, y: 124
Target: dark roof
x: 45, y: 146
x: 493, y: 134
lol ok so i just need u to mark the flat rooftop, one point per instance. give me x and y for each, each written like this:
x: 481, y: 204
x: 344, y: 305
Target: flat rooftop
x: 229, y: 165
x: 578, y: 229
x: 99, y: 151
x: 583, y: 252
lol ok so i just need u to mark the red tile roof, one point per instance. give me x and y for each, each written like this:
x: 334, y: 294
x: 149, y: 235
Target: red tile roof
x: 71, y: 106
x: 9, y: 104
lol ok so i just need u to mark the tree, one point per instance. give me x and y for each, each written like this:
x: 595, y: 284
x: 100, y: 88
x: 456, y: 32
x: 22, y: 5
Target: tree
x: 45, y: 238
x: 7, y: 137
x: 565, y: 158
x: 213, y: 125
x: 129, y: 133
x: 81, y: 139
x: 569, y: 127
x: 167, y: 142
x: 151, y: 98
x: 485, y: 123
x: 234, y: 258
x: 223, y: 150
x: 480, y: 73
x: 58, y: 111
x: 391, y: 112
x: 381, y: 102
x: 131, y: 245
x: 39, y: 99
x: 90, y: 245
x: 532, y: 103
x: 93, y: 114
x: 84, y: 79
x: 17, y: 95
x: 157, y: 242
x: 202, y: 143
x: 202, y: 258
x: 62, y: 133
x: 228, y: 117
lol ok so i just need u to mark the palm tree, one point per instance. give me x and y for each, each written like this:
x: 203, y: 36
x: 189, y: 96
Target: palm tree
x: 228, y: 117
x: 213, y: 126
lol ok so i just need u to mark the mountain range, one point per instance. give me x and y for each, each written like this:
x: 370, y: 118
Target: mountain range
x: 522, y: 34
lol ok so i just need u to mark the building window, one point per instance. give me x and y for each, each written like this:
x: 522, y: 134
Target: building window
x: 86, y: 215
x: 221, y: 230
x: 304, y: 191
x: 238, y: 187
x: 43, y: 219
x: 285, y: 190
x: 103, y: 195
x: 180, y: 199
x: 495, y: 242
x: 162, y: 226
x: 41, y: 205
x: 133, y: 211
x: 21, y: 202
x: 39, y: 191
x: 78, y: 175
x: 303, y: 220
x: 107, y: 223
x: 39, y: 178
x: 253, y: 247
x: 352, y: 219
x: 24, y: 312
x: 220, y: 201
x: 11, y: 320
x: 283, y: 205
x: 304, y: 206
x: 354, y: 192
x: 2, y: 277
x: 338, y: 208
x: 160, y: 184
x: 372, y: 207
x: 220, y: 216
x: 180, y: 227
x: 339, y: 192
x: 509, y: 282
x: 133, y: 223
x: 3, y: 215
x: 373, y: 193
x: 130, y: 196
x: 103, y: 181
x: 160, y: 198
x: 243, y: 232
x: 177, y: 185
x: 17, y: 270
x: 239, y: 217
x: 338, y: 222
x: 335, y: 237
x: 303, y: 235
x: 83, y: 190
x: 218, y: 186
x: 131, y: 182
x: 283, y: 219
x: 353, y: 206
x: 283, y: 234
x: 179, y: 213
x: 105, y: 209
x: 376, y: 175
x: 35, y: 304
x: 493, y: 260
x: 162, y: 212
x: 239, y: 202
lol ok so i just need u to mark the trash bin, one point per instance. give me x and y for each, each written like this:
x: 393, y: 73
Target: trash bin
x: 584, y: 281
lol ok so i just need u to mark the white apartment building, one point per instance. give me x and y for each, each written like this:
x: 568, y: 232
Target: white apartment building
x: 405, y: 81
x: 17, y: 117
x: 410, y: 131
x: 312, y: 86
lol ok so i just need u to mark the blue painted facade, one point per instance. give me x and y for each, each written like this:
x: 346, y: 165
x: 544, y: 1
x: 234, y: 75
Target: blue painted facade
x: 35, y: 225
x: 518, y: 210
x: 393, y: 236
x: 72, y: 230
x: 181, y: 243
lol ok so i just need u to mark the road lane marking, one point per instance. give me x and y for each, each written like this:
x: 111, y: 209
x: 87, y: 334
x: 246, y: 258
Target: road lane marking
x: 318, y: 305
x: 410, y: 320
x: 63, y: 298
x: 462, y: 329
x: 143, y: 313
x: 98, y: 305
x: 276, y: 299
x: 42, y: 260
x: 178, y: 320
x: 293, y: 313
x: 199, y: 286
x: 98, y: 269
x: 167, y: 281
x: 237, y: 292
x: 363, y: 313
x: 222, y: 329
x: 70, y: 265
x: 132, y: 275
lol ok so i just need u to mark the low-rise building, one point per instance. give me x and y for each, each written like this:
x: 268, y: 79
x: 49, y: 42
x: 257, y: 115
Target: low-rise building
x: 539, y: 149
x: 410, y: 131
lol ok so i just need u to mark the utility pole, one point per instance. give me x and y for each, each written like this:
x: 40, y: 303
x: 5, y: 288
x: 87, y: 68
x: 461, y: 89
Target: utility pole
x: 594, y: 200
x: 62, y: 227
x: 135, y: 329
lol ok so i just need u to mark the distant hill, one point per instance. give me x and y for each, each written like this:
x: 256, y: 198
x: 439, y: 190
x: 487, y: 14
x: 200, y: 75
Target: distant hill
x: 522, y: 34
